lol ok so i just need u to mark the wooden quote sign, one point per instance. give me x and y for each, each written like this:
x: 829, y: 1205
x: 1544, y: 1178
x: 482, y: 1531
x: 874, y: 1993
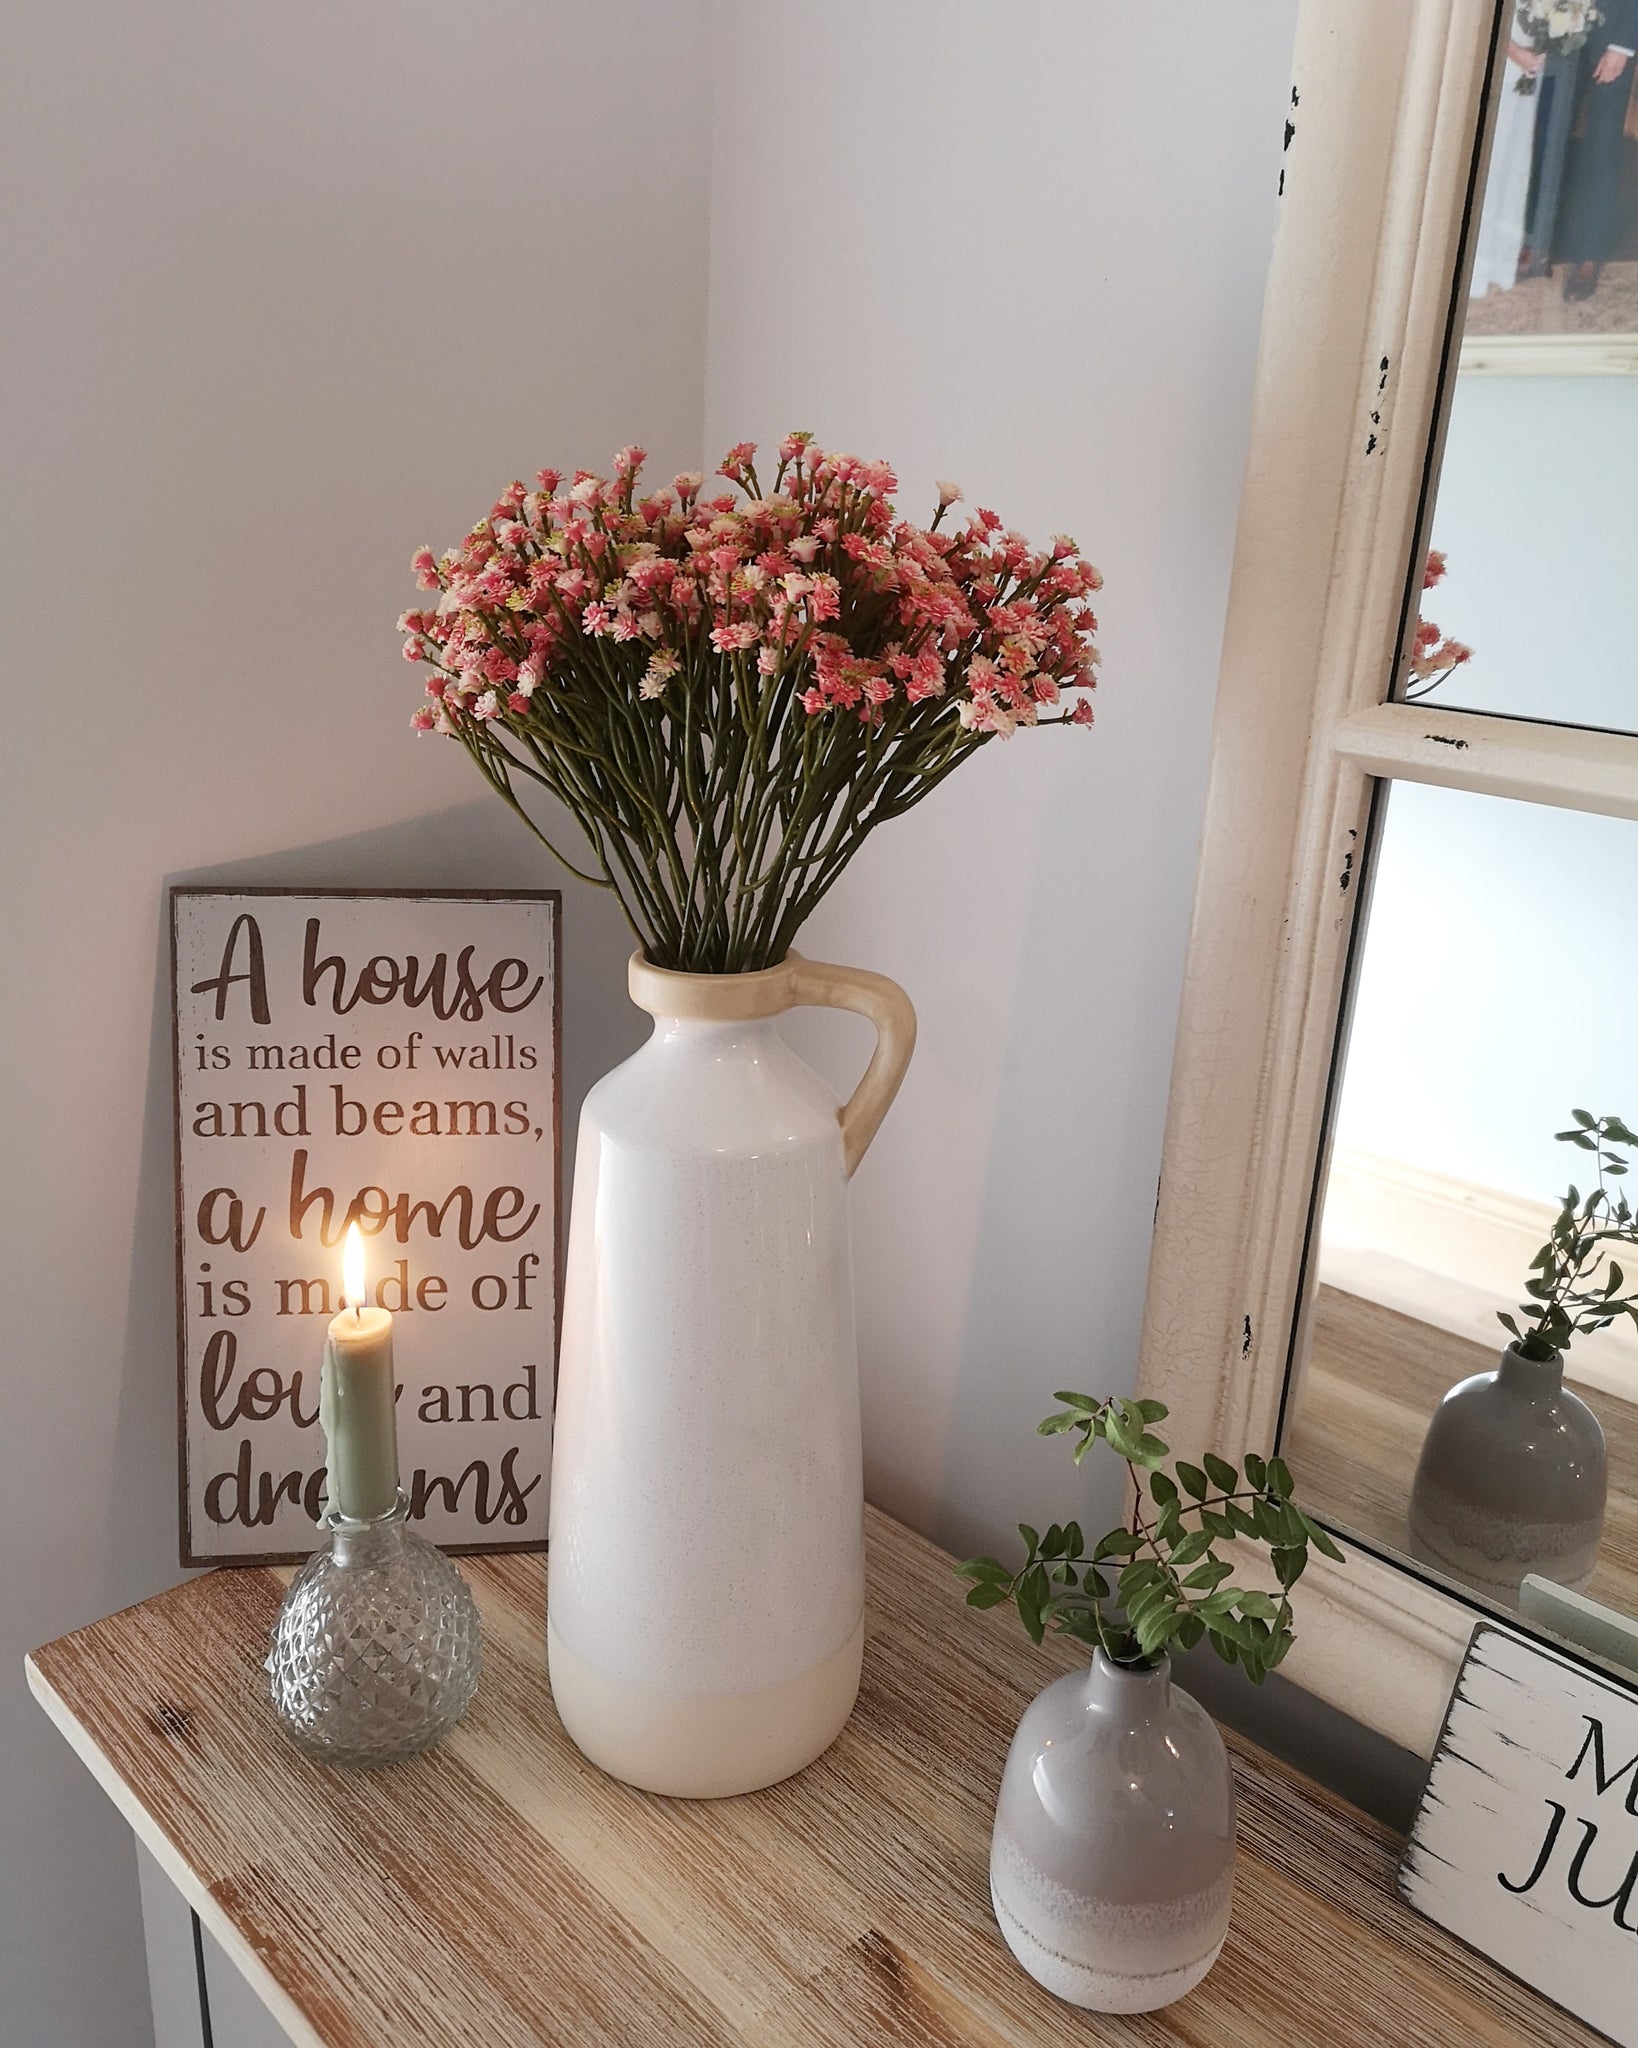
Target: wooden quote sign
x: 391, y: 1059
x: 1526, y: 1842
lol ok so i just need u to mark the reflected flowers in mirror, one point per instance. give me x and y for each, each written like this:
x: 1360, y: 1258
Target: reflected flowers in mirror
x: 1434, y: 656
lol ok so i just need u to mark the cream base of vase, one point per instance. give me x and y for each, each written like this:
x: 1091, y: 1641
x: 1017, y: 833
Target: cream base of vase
x: 704, y: 1748
x: 1099, y: 1990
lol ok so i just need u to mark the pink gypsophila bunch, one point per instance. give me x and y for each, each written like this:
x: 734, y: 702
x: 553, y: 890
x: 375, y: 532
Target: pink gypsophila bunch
x: 729, y: 689
x: 1434, y: 656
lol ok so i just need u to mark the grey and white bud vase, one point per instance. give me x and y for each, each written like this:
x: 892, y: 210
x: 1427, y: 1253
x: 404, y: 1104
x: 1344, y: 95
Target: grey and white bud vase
x: 1511, y: 1478
x: 1112, y: 1862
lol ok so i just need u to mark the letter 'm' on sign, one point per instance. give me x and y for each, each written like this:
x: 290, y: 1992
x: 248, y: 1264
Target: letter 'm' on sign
x: 1593, y: 1747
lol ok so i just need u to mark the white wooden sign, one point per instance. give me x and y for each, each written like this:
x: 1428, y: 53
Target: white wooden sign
x: 1526, y: 1842
x: 391, y: 1058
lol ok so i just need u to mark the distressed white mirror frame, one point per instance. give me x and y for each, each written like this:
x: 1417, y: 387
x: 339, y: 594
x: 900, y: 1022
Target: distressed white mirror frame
x: 1388, y: 104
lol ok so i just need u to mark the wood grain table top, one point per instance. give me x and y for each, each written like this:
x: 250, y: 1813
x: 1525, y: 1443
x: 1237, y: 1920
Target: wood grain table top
x: 500, y: 1893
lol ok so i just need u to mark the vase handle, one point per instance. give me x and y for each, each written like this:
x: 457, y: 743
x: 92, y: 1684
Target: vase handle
x: 816, y: 984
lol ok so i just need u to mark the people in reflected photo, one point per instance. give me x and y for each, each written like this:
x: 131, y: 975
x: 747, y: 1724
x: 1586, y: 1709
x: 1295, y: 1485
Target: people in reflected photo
x: 1592, y: 172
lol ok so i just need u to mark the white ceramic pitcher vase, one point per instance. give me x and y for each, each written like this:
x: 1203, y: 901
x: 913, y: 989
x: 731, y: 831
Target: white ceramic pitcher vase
x: 706, y: 1594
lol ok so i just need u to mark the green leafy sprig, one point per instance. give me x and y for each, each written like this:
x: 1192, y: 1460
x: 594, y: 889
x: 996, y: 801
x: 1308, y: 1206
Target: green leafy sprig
x: 1158, y: 1581
x: 1577, y: 1286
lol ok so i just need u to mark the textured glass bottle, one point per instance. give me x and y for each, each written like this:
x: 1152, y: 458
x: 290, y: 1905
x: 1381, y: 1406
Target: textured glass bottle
x: 376, y: 1650
x: 1112, y: 1862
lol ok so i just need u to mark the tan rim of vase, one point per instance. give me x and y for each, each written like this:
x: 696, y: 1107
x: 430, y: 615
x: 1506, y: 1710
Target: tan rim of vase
x: 795, y: 983
x: 712, y: 998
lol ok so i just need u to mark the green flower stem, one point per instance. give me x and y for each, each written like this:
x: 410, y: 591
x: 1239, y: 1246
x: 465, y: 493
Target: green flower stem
x: 503, y: 790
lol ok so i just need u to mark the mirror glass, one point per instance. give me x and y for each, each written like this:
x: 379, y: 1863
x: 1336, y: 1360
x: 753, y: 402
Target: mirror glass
x: 1534, y: 517
x: 1493, y: 989
x: 1473, y: 1040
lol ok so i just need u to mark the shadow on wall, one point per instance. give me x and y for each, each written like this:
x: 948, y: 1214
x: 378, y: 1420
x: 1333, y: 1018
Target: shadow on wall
x: 1313, y: 1738
x: 475, y: 846
x: 1068, y: 1193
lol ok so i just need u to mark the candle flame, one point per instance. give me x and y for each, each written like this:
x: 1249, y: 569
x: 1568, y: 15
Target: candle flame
x: 352, y: 1268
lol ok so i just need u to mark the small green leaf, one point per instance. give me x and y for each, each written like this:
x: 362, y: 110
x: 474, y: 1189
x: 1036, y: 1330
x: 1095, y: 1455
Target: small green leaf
x: 1194, y: 1546
x: 1074, y: 1542
x: 1322, y: 1541
x: 1154, y: 1631
x: 1142, y: 1572
x: 1152, y: 1600
x: 1162, y: 1489
x: 1032, y: 1594
x: 1118, y: 1543
x: 986, y: 1596
x: 1279, y: 1478
x: 1289, y: 1565
x: 1206, y: 1576
x: 1153, y: 1411
x: 1031, y: 1538
x: 1256, y: 1471
x: 1222, y: 1474
x: 1121, y: 1440
x: 1192, y: 1480
x: 1084, y: 1403
x: 1237, y: 1631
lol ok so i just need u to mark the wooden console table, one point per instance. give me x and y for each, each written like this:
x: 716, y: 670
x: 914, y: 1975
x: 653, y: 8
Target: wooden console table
x: 500, y: 1893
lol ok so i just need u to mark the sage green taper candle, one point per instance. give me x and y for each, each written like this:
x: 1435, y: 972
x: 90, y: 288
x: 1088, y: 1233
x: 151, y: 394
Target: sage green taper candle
x: 356, y: 1397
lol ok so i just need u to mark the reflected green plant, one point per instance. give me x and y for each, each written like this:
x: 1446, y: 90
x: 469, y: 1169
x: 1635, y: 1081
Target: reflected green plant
x: 1577, y: 1285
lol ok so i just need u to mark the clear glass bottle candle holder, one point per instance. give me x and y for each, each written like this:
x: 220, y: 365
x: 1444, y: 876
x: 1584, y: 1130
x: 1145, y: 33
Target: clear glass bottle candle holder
x: 376, y: 1650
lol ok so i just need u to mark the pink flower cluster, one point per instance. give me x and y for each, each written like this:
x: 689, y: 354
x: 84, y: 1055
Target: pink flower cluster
x: 811, y: 594
x: 1433, y: 656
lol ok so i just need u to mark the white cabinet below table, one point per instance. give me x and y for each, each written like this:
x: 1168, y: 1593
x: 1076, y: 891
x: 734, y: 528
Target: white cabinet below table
x: 238, y: 2019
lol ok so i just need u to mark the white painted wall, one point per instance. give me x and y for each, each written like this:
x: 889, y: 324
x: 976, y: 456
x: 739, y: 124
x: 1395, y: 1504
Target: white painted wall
x: 1024, y: 248
x: 288, y: 290
x: 1500, y: 977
